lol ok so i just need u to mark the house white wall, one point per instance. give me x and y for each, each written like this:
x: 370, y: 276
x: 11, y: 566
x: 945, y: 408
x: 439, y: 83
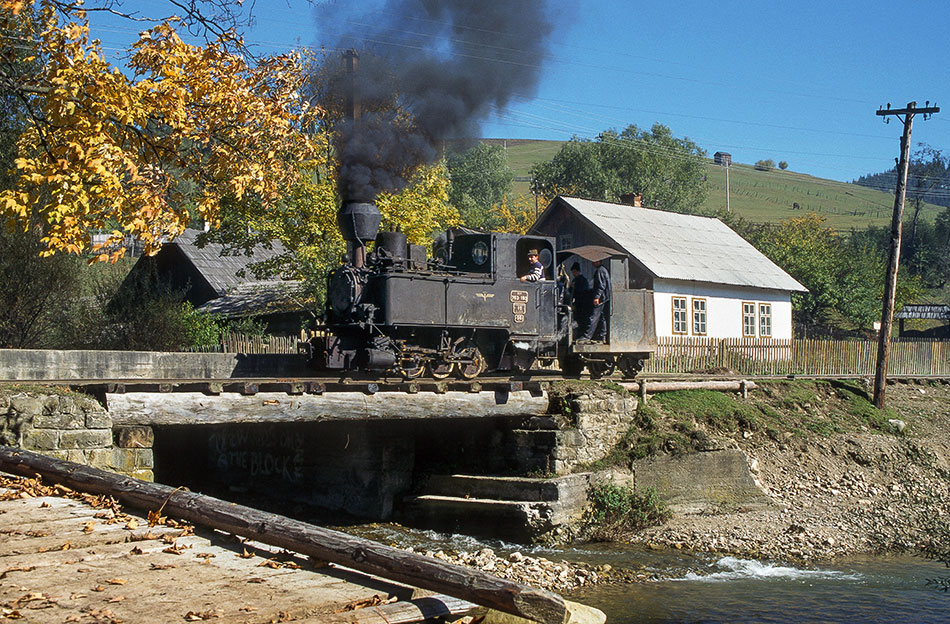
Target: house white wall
x: 723, y: 308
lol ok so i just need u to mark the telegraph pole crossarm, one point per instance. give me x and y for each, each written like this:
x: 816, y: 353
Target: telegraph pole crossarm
x: 893, y: 263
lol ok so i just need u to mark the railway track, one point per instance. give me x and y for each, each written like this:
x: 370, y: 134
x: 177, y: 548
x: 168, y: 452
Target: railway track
x: 534, y: 381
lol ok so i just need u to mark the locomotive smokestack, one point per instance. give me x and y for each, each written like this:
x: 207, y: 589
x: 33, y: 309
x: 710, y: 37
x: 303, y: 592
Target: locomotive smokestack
x: 358, y: 217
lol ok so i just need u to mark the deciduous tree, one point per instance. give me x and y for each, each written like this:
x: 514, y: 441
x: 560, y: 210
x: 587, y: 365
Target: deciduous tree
x: 137, y: 152
x: 667, y: 171
x: 845, y: 279
x: 481, y: 179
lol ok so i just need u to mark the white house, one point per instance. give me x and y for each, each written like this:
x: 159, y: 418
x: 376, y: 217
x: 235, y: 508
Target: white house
x: 707, y: 280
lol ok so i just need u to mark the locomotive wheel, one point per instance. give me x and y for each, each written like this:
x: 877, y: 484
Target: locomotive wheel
x: 413, y: 370
x: 600, y: 368
x: 472, y: 370
x: 571, y: 365
x: 440, y: 369
x: 630, y: 365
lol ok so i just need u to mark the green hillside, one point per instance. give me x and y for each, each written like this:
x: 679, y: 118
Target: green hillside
x: 760, y: 196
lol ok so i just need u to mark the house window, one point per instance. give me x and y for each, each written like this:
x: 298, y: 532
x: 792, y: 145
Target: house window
x: 748, y: 319
x: 765, y: 320
x: 680, y: 316
x: 565, y: 241
x: 699, y: 317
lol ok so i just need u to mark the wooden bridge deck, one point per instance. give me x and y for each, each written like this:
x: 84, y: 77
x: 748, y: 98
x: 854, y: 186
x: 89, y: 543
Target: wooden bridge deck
x: 64, y: 560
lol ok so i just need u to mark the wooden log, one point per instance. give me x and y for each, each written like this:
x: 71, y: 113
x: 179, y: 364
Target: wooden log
x: 652, y: 387
x: 323, y: 544
x: 404, y: 612
x: 193, y: 408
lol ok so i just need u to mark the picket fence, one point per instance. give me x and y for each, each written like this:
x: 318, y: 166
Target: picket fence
x: 251, y: 344
x: 742, y: 356
x: 754, y: 356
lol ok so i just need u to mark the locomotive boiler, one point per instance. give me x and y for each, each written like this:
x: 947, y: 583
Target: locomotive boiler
x: 394, y: 311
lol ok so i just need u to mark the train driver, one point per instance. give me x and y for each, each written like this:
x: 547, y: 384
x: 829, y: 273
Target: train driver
x: 535, y: 269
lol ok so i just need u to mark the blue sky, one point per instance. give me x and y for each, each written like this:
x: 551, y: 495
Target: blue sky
x: 798, y: 81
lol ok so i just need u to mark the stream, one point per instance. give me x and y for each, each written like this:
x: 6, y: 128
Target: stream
x: 706, y: 588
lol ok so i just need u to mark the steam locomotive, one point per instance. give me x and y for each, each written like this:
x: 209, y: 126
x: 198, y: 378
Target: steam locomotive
x: 392, y: 311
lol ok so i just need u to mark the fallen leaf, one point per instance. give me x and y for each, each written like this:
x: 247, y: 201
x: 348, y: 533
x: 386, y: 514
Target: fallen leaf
x: 30, y: 597
x: 132, y: 524
x: 116, y: 581
x: 246, y: 555
x: 117, y: 599
x: 269, y: 563
x: 205, y: 555
x: 248, y: 609
x: 194, y: 616
x: 16, y: 569
x: 45, y: 504
x: 137, y: 551
x: 65, y: 546
x: 89, y: 527
x: 165, y: 566
x: 155, y: 518
x: 255, y: 579
x: 98, y: 588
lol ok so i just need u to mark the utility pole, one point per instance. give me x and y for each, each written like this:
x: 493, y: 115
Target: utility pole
x: 728, y: 162
x: 893, y: 262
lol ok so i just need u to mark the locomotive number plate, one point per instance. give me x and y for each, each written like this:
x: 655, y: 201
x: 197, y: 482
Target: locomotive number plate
x: 519, y: 318
x: 519, y: 296
x: 519, y: 308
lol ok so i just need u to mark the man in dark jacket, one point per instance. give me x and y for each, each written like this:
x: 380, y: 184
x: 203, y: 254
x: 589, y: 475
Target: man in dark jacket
x: 597, y: 323
x: 580, y: 298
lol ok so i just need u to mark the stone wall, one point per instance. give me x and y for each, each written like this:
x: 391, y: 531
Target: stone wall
x: 583, y: 428
x: 75, y: 428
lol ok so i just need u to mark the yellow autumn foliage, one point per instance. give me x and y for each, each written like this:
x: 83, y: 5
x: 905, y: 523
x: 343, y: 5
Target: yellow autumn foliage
x: 181, y: 130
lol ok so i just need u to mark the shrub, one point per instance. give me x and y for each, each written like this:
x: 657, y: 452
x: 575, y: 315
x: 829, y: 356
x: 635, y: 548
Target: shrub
x: 617, y: 509
x: 765, y: 165
x: 201, y: 329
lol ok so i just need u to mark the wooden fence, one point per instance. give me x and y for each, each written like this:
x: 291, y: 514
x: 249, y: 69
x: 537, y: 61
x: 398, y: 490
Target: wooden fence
x: 743, y: 356
x: 750, y: 356
x: 243, y: 343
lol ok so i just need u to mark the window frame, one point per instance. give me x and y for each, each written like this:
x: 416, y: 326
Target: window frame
x: 684, y: 321
x: 764, y: 318
x: 749, y: 316
x: 705, y: 316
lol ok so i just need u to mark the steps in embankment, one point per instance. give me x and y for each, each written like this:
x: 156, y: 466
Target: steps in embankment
x: 513, y: 508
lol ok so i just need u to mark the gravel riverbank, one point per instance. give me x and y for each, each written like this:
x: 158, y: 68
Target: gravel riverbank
x: 833, y: 496
x: 838, y: 495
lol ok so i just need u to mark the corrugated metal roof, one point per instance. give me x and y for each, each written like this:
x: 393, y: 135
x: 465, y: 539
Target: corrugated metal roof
x: 221, y: 271
x: 685, y: 247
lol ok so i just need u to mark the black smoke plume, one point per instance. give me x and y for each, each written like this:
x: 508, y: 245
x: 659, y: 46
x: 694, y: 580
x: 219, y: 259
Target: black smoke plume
x: 447, y: 63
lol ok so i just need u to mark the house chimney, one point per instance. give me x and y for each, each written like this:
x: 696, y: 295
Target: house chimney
x: 632, y: 199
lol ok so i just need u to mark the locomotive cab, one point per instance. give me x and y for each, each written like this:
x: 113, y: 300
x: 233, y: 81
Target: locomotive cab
x: 631, y: 326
